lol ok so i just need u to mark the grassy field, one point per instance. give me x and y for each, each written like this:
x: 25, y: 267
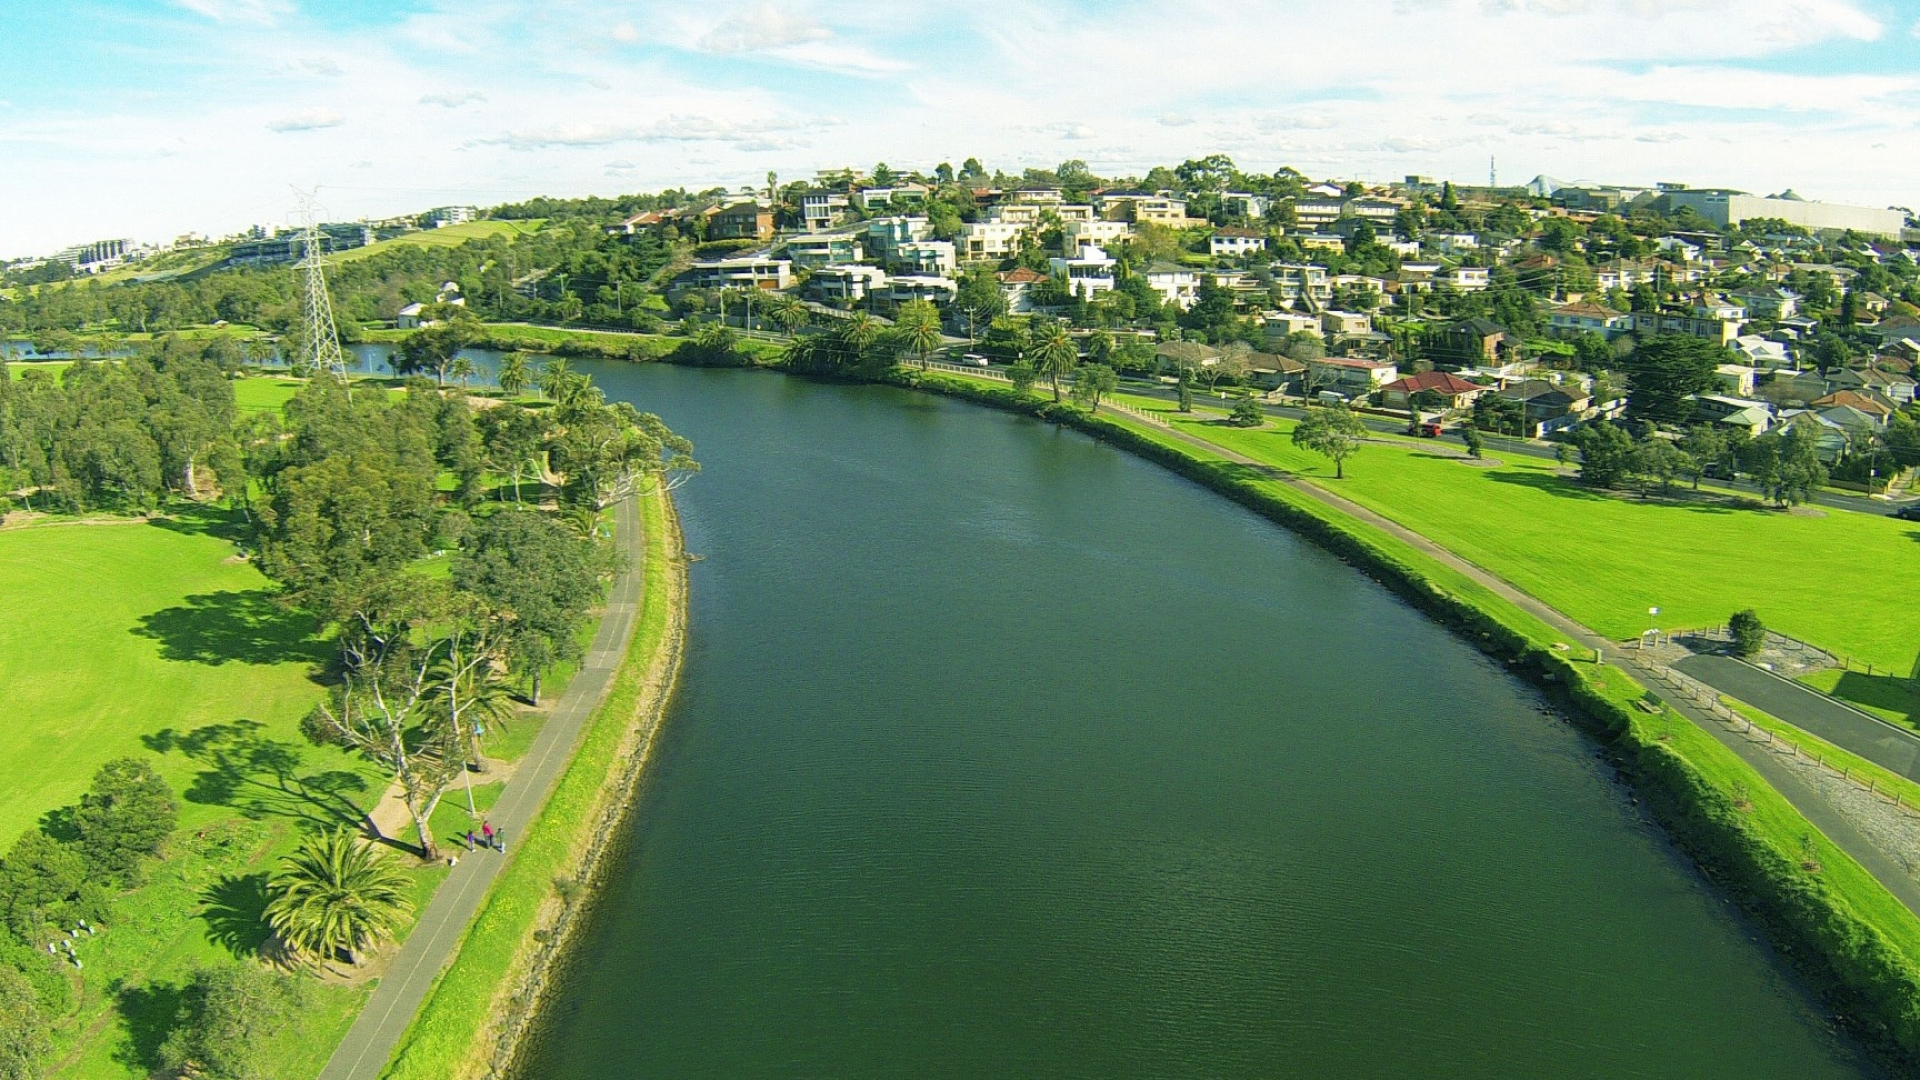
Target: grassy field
x: 18, y: 369
x: 1604, y: 558
x: 450, y: 236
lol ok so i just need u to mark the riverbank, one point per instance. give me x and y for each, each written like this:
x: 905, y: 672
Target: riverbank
x: 476, y: 1014
x: 1842, y: 929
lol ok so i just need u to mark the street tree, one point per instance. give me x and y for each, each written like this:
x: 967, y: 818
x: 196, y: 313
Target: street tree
x: 1091, y: 382
x: 1334, y: 432
x: 1054, y: 353
x: 1606, y: 453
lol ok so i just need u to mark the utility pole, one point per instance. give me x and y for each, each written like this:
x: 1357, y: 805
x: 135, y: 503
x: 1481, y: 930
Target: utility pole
x: 318, y: 348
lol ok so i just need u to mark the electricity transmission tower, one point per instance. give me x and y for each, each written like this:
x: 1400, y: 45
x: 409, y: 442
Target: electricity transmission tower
x: 318, y: 347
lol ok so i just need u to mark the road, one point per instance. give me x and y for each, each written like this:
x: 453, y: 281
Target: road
x: 364, y: 1052
x: 1894, y: 749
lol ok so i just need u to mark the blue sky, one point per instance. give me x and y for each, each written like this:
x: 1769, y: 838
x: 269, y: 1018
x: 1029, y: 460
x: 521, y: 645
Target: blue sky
x: 158, y: 117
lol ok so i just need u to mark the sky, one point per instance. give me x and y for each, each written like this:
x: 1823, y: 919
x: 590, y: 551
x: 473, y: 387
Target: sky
x: 152, y: 118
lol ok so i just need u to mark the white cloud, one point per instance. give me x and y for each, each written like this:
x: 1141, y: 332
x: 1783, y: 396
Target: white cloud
x: 452, y: 99
x: 676, y: 129
x: 624, y: 32
x: 1174, y: 120
x: 761, y: 27
x: 252, y: 12
x: 324, y: 66
x: 308, y: 120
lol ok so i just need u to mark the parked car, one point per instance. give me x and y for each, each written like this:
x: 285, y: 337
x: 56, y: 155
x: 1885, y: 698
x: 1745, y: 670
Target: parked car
x: 1909, y: 512
x: 975, y: 359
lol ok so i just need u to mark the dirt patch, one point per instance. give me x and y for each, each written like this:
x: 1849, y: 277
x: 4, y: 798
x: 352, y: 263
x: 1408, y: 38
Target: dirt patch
x: 1480, y: 462
x: 1805, y: 512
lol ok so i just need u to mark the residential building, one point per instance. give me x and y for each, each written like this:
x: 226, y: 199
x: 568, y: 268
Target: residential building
x: 1350, y: 377
x: 931, y: 257
x: 441, y: 216
x: 1240, y: 204
x: 1761, y: 353
x: 1279, y: 324
x: 1294, y: 281
x: 1088, y: 273
x: 1736, y: 379
x: 1017, y: 286
x: 823, y: 249
x: 906, y: 195
x: 1729, y: 411
x: 1700, y: 323
x: 1769, y: 301
x: 741, y: 221
x: 1453, y: 391
x: 1572, y: 320
x: 1469, y: 343
x: 1176, y: 285
x: 1102, y: 233
x: 906, y: 287
x: 981, y: 240
x: 1345, y: 323
x: 1233, y: 243
x: 886, y: 236
x: 739, y: 272
x: 1547, y: 405
x: 1313, y: 214
x: 846, y: 283
x: 823, y: 209
x: 1468, y: 279
x: 1875, y: 411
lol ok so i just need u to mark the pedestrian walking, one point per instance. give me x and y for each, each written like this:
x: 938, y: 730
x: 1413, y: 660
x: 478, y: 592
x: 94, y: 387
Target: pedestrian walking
x: 486, y: 832
x: 500, y: 840
x: 469, y: 839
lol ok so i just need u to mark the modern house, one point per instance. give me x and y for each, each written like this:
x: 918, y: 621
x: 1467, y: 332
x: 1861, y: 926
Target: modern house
x: 1088, y: 273
x: 741, y: 221
x: 1350, y: 377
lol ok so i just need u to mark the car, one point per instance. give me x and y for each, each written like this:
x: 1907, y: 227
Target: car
x: 1909, y: 512
x: 975, y: 359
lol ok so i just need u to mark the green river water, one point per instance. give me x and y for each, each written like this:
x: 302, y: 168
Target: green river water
x: 1002, y: 753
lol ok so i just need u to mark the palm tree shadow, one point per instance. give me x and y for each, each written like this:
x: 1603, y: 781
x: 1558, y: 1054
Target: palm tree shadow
x: 235, y: 913
x: 232, y: 627
x: 262, y: 777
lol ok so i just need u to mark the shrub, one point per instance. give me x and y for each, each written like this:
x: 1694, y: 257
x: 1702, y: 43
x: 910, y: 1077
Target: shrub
x: 1247, y: 413
x: 1749, y: 633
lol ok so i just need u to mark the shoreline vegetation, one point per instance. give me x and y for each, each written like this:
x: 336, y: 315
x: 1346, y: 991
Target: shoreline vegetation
x: 476, y: 1019
x: 1855, y: 943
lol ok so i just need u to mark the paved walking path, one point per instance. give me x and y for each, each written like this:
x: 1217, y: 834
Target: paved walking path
x: 1892, y: 748
x: 371, y: 1041
x: 1813, y: 806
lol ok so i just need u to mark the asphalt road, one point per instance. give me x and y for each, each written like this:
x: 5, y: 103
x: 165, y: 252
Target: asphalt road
x: 1876, y: 740
x: 363, y: 1053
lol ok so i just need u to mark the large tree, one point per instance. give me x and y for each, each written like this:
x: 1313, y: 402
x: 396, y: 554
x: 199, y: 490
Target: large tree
x: 123, y: 819
x: 1667, y: 370
x: 1334, y: 432
x: 1054, y: 353
x: 539, y: 579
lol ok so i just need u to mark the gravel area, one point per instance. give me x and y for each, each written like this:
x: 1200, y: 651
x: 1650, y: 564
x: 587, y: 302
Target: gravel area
x: 1893, y: 829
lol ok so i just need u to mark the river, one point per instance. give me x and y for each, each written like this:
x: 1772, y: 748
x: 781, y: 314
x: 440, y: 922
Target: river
x: 1002, y: 753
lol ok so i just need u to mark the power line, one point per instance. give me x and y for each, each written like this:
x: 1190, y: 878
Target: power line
x: 319, y: 346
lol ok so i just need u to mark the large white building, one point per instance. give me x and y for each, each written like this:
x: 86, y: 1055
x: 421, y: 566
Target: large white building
x: 1730, y: 208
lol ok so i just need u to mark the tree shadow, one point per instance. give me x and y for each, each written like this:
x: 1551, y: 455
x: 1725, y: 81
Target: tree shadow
x: 150, y: 1014
x: 1552, y: 485
x: 235, y: 913
x: 203, y: 519
x: 1888, y: 693
x: 231, y: 627
x: 261, y: 777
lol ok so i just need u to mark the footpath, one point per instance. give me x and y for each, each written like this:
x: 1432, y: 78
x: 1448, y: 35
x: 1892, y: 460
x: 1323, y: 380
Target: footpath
x: 1808, y: 801
x: 364, y: 1052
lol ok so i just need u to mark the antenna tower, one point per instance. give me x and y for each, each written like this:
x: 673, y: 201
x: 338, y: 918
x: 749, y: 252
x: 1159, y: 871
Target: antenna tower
x: 1493, y: 173
x: 318, y: 348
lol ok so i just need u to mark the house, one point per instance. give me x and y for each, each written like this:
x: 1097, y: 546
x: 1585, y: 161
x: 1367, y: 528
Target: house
x: 935, y: 257
x: 908, y: 287
x: 1159, y: 208
x: 906, y: 195
x: 1017, y: 286
x: 1469, y: 342
x: 1234, y: 243
x: 1351, y: 377
x: 847, y: 283
x: 1544, y: 404
x: 823, y: 249
x: 1316, y: 213
x: 1831, y: 439
x: 1727, y: 411
x: 823, y: 209
x: 409, y: 317
x: 739, y: 272
x: 1769, y: 301
x: 1735, y: 379
x: 1762, y: 353
x: 886, y: 235
x: 741, y: 221
x: 644, y: 222
x: 1273, y: 372
x: 1895, y: 329
x: 1297, y: 281
x: 981, y: 240
x: 1379, y: 213
x: 1345, y: 323
x: 1176, y: 285
x: 1871, y: 408
x: 1468, y: 279
x: 1279, y: 324
x: 1241, y: 204
x: 1102, y: 233
x: 1572, y: 320
x: 1453, y: 391
x: 1088, y: 273
x: 1699, y: 323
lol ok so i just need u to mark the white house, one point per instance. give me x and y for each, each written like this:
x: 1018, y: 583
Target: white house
x: 1074, y: 234
x: 851, y: 283
x: 990, y: 239
x: 1468, y: 279
x: 934, y: 257
x: 1296, y: 280
x: 1570, y: 320
x: 1088, y: 273
x: 1233, y: 243
x: 823, y: 209
x: 1244, y: 204
x: 1175, y: 284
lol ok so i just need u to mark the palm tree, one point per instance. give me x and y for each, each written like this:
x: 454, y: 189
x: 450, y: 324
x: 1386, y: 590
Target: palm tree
x: 512, y: 376
x: 332, y: 898
x: 788, y: 312
x: 553, y: 375
x: 919, y: 327
x: 1054, y: 354
x: 462, y: 368
x: 858, y: 334
x: 716, y: 342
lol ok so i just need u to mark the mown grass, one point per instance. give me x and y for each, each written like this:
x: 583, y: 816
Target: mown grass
x: 445, y: 1037
x: 447, y: 236
x: 1605, y: 558
x: 1891, y: 698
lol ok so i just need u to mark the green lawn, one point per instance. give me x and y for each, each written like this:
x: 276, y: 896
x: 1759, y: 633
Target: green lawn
x: 1603, y: 559
x: 449, y: 236
x: 18, y: 369
x: 265, y: 393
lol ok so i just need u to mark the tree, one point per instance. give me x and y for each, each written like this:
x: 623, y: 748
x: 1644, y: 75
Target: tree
x: 554, y: 375
x: 1667, y: 370
x: 1786, y: 464
x: 23, y: 1030
x: 539, y: 579
x: 1185, y: 392
x: 1606, y: 453
x: 511, y: 437
x: 1021, y: 375
x: 124, y: 819
x: 1332, y: 431
x: 1470, y: 435
x: 980, y: 299
x: 918, y: 328
x: 788, y: 312
x: 1091, y: 382
x: 513, y: 377
x: 1247, y: 412
x: 1706, y: 446
x: 1054, y: 354
x: 332, y: 899
x: 1656, y: 461
x: 228, y: 1012
x: 605, y: 453
x: 1748, y: 632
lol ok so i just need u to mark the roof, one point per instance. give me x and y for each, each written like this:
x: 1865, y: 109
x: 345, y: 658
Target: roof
x: 1479, y: 327
x: 1439, y: 382
x: 1587, y: 311
x: 1021, y: 276
x: 1852, y: 399
x: 1245, y: 234
x: 1360, y: 365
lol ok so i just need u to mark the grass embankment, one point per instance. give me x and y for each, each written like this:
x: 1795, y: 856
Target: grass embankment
x: 446, y: 236
x: 594, y: 344
x: 456, y: 1032
x: 1856, y: 942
